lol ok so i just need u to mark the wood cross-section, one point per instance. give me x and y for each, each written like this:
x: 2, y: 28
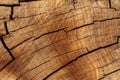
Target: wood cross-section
x: 59, y: 40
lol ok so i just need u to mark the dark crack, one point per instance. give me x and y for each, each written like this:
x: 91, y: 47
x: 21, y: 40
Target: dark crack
x: 10, y: 53
x: 6, y: 47
x: 74, y: 2
x: 21, y: 42
x: 6, y: 27
x: 77, y: 27
x: 50, y: 33
x: 94, y: 23
x: 109, y: 74
x: 110, y: 5
x: 12, y: 12
x: 6, y: 65
x: 9, y: 5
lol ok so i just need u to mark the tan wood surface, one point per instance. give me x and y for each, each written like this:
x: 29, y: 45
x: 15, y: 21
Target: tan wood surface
x: 59, y: 39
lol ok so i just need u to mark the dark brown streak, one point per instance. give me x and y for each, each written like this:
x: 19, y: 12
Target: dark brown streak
x: 49, y: 33
x: 9, y: 5
x: 12, y: 11
x: 6, y: 27
x: 110, y: 5
x: 74, y: 2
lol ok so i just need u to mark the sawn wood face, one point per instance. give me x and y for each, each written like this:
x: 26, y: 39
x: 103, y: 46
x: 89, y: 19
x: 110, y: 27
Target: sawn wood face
x: 59, y: 40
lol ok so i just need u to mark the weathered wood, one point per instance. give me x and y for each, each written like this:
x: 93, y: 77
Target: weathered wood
x: 115, y: 4
x: 60, y: 40
x: 5, y: 13
x: 2, y: 29
x: 5, y: 58
x: 9, y: 2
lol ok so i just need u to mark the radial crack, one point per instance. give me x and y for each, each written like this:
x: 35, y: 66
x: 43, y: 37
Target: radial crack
x: 11, y: 15
x: 74, y: 2
x: 6, y: 47
x: 6, y: 27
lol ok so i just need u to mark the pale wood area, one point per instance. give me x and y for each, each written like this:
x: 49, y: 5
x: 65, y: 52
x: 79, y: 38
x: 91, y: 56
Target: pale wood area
x: 60, y: 40
x: 4, y: 13
x: 9, y: 2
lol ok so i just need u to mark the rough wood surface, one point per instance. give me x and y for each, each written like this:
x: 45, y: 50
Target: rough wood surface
x: 9, y: 2
x: 60, y: 40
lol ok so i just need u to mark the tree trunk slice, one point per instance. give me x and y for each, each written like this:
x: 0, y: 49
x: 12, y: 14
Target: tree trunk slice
x: 60, y: 40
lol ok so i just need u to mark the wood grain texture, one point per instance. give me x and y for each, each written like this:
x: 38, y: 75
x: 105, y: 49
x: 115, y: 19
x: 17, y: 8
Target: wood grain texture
x: 9, y: 2
x: 60, y: 40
